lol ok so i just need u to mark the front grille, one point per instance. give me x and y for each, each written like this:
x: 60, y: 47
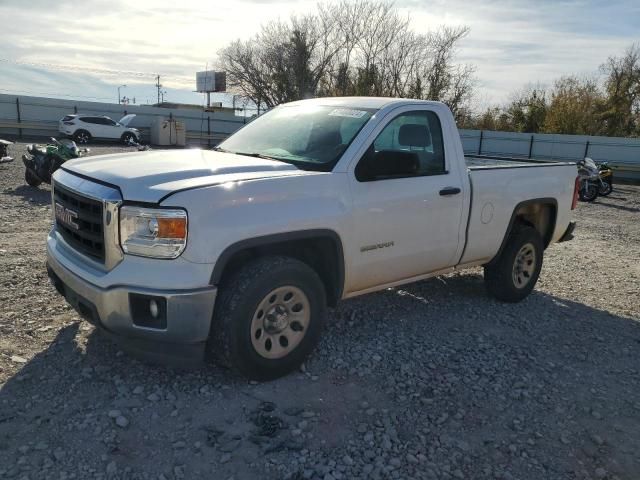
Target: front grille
x: 88, y: 238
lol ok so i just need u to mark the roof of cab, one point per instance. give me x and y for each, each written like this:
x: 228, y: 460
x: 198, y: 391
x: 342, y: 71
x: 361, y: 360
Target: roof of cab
x: 360, y: 102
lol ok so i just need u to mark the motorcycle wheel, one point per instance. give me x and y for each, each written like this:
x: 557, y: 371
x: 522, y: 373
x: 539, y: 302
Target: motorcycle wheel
x: 605, y: 188
x: 31, y: 179
x: 588, y: 192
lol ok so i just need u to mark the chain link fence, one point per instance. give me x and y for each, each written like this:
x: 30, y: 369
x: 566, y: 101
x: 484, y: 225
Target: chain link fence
x: 25, y: 116
x: 623, y: 154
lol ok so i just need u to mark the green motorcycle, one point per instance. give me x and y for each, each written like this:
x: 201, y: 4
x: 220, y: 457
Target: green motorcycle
x: 41, y: 161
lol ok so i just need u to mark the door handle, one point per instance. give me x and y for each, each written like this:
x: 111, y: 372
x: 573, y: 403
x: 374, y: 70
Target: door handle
x: 449, y: 191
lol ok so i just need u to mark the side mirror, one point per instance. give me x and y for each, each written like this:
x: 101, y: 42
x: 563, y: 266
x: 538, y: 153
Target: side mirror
x: 387, y: 164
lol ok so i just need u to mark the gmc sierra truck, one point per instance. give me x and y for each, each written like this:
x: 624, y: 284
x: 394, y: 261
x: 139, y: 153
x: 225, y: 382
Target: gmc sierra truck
x: 236, y: 253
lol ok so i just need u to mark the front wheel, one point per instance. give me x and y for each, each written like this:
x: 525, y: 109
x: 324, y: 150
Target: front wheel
x: 512, y: 276
x: 31, y: 179
x: 268, y: 317
x: 128, y: 138
x: 588, y: 191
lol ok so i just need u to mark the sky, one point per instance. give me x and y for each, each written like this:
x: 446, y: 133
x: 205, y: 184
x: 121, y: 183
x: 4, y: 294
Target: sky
x: 85, y: 50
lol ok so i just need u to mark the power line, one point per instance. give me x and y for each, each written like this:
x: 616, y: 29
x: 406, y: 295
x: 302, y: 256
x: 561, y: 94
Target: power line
x: 50, y: 93
x: 102, y: 71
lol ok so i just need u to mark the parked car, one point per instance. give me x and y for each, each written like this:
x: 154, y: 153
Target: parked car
x: 83, y: 128
x: 237, y: 253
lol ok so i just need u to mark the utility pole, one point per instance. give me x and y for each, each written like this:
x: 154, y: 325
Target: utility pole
x: 119, y: 97
x: 158, y: 86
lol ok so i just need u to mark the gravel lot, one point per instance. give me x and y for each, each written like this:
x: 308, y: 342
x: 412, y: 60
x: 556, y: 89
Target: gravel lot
x: 430, y: 381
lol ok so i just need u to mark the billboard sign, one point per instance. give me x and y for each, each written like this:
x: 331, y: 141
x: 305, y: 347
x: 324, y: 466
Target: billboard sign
x: 210, y: 81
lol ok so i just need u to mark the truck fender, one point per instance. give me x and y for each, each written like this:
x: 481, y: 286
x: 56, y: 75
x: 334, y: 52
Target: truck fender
x: 547, y: 236
x: 333, y: 277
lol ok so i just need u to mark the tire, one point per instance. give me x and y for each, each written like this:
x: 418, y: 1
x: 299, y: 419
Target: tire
x: 127, y: 137
x: 82, y: 136
x: 513, y: 275
x: 605, y: 188
x: 31, y: 179
x: 246, y: 310
x: 588, y: 192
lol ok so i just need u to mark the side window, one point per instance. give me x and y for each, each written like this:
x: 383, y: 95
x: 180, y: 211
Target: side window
x: 411, y: 145
x: 88, y: 119
x: 108, y: 121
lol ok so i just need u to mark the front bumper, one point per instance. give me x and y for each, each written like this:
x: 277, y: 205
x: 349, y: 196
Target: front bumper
x: 188, y: 314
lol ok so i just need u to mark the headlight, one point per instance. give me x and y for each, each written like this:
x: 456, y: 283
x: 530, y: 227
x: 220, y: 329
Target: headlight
x: 153, y: 232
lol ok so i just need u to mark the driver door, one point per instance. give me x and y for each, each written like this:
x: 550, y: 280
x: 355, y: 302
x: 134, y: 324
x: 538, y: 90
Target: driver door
x: 407, y: 202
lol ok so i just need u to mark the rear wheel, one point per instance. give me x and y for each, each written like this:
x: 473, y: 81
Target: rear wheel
x: 605, y: 188
x: 82, y: 136
x: 31, y: 179
x: 268, y: 317
x: 512, y: 276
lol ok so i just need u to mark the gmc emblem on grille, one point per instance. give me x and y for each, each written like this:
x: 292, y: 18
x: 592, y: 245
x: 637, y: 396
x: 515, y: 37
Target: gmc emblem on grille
x: 66, y: 217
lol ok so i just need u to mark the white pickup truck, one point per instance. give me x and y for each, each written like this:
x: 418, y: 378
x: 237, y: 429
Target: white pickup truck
x: 236, y: 253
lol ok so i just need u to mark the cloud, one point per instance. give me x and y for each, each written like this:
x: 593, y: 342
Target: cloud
x: 511, y: 42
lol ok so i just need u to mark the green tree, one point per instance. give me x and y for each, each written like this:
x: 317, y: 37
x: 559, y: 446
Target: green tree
x: 527, y: 110
x: 621, y: 115
x: 574, y: 107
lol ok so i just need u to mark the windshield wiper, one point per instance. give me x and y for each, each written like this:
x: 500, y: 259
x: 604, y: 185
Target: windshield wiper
x: 259, y: 155
x: 263, y: 156
x: 246, y: 154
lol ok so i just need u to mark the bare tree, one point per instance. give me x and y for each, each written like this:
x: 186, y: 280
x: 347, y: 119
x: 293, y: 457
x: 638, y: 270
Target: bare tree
x: 283, y: 62
x: 460, y: 90
x: 361, y: 47
x: 439, y: 71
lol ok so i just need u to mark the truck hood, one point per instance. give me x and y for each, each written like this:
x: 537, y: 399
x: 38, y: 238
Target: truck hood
x: 149, y: 176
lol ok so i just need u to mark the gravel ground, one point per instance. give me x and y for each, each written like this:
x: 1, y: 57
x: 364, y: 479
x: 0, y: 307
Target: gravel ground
x: 430, y: 381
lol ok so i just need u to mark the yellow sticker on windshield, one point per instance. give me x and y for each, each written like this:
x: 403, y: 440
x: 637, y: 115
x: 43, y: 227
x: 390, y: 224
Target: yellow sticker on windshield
x: 347, y: 112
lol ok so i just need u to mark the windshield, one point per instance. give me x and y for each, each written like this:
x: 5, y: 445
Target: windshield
x: 66, y: 143
x: 310, y: 137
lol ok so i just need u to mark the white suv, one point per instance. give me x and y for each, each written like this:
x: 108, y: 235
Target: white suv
x: 85, y: 127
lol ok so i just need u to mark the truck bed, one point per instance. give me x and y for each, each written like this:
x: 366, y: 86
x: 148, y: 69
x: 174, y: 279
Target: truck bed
x: 498, y: 186
x: 484, y: 162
